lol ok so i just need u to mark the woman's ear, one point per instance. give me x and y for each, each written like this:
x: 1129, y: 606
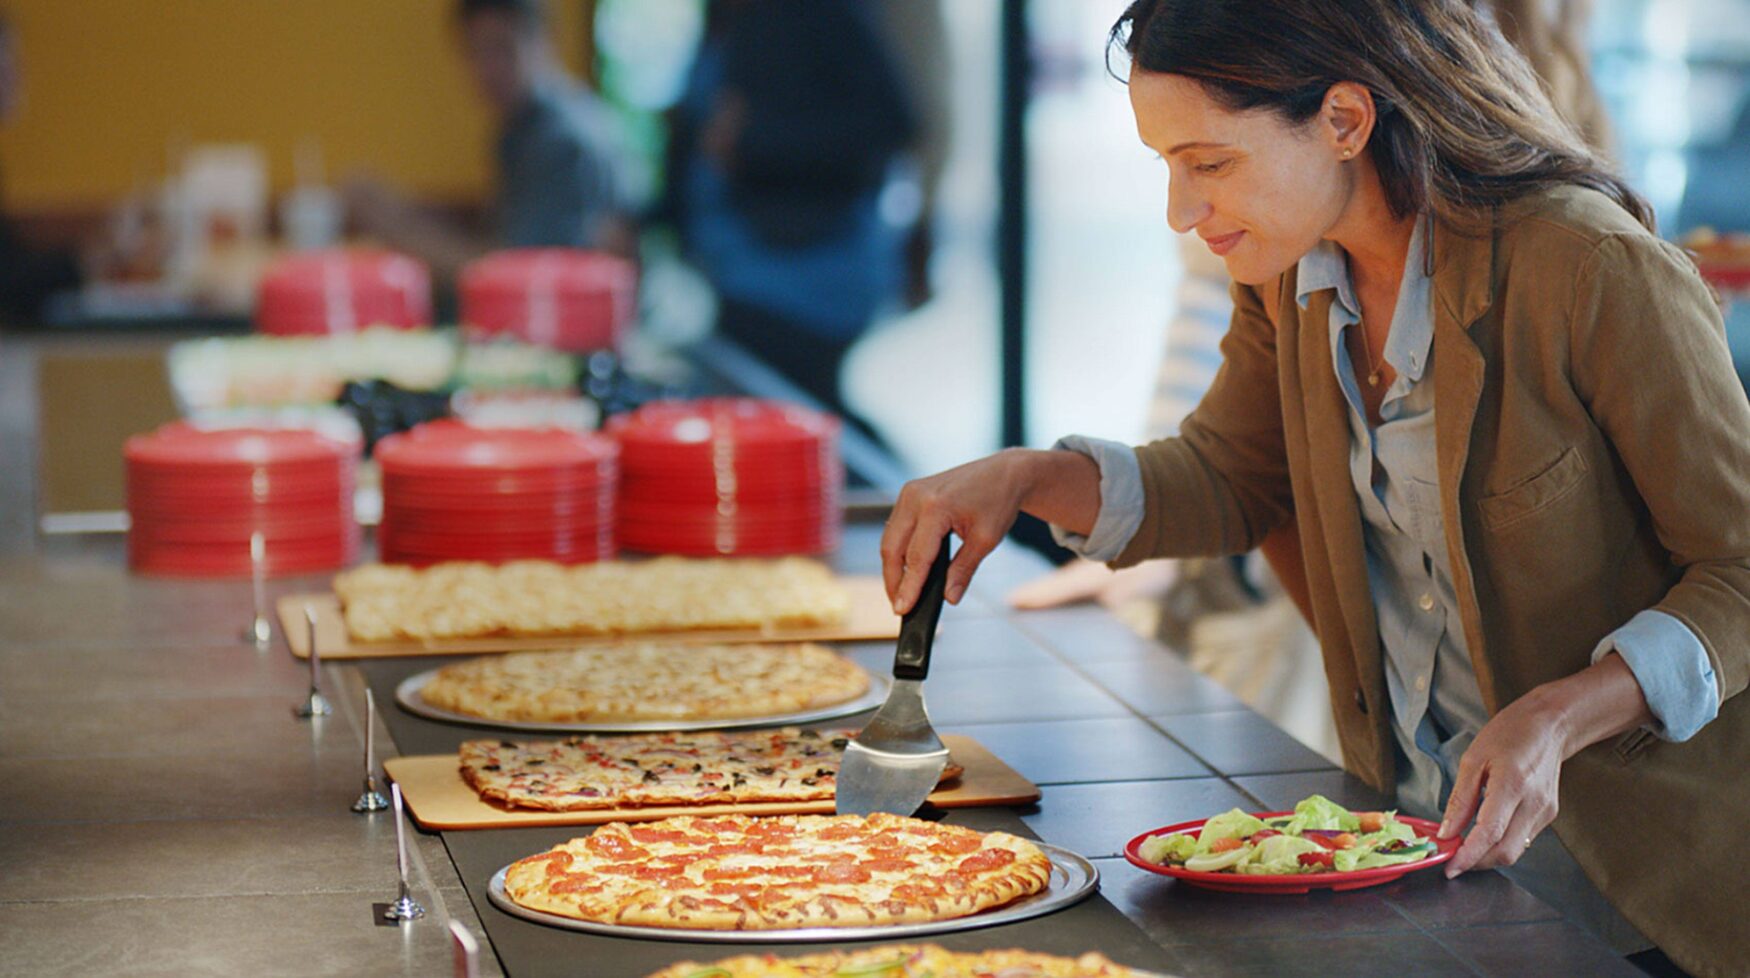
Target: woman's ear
x: 1346, y: 119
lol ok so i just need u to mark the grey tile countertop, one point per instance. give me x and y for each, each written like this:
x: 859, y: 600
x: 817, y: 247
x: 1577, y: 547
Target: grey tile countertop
x: 165, y: 814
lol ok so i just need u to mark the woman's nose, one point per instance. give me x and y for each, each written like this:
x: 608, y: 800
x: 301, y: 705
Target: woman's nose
x: 1185, y: 210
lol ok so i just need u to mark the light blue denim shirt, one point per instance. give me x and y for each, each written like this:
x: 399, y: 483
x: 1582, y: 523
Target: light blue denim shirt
x: 1436, y: 705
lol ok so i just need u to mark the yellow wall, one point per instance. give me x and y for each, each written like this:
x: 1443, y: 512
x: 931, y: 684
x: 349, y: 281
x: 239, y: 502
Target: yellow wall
x: 110, y: 85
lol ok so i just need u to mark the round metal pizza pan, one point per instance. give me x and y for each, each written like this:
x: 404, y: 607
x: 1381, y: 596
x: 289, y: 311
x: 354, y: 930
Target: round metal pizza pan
x: 408, y: 695
x: 1073, y: 879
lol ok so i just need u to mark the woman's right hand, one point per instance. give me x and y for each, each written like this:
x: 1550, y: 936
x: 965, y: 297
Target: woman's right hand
x: 978, y: 502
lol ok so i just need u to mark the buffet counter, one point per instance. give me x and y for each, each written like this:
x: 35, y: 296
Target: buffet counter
x: 167, y: 814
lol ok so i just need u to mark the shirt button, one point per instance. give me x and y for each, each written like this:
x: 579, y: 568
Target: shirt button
x: 1421, y: 683
x: 1426, y: 602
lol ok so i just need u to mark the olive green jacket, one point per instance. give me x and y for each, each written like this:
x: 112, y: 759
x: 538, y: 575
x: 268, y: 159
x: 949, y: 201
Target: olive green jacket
x: 1593, y: 452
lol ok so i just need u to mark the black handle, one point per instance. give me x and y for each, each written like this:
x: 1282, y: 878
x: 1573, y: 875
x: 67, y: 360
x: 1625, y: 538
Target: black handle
x: 917, y: 632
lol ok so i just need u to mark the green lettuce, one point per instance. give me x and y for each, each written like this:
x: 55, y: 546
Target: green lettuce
x: 1319, y: 812
x: 1175, y: 848
x: 1347, y: 860
x: 1232, y: 824
x: 1278, y: 854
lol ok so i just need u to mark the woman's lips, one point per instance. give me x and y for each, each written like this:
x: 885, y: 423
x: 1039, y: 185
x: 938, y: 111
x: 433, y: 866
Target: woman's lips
x: 1225, y: 243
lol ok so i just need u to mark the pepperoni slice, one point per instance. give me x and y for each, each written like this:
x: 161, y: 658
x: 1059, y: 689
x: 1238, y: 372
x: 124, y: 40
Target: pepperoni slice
x: 613, y: 846
x: 735, y: 849
x: 841, y: 873
x: 837, y: 833
x: 956, y: 845
x: 922, y: 892
x: 728, y: 874
x: 986, y: 861
x: 581, y: 883
x: 888, y: 865
x: 659, y: 835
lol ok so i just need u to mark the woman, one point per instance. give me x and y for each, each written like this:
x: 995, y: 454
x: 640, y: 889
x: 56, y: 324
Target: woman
x: 1501, y: 414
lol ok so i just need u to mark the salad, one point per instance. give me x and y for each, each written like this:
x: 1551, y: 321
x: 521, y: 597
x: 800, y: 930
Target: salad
x: 1320, y: 837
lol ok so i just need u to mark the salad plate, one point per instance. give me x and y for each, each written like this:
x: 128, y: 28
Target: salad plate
x: 1401, y: 845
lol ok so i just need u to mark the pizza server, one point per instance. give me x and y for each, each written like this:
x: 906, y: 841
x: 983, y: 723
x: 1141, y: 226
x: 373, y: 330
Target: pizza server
x: 894, y: 764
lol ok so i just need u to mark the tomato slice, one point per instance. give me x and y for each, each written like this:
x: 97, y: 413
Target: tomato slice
x: 1327, y: 841
x: 1226, y: 845
x: 1324, y: 859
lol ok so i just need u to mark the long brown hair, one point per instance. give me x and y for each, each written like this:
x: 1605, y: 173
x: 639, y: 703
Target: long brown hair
x: 1463, y: 123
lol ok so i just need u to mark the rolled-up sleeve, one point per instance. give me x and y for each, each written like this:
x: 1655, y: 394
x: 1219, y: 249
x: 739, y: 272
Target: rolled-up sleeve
x: 1120, y: 499
x: 1673, y: 669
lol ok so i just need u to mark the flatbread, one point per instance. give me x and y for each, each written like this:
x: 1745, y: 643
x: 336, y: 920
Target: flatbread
x: 385, y: 603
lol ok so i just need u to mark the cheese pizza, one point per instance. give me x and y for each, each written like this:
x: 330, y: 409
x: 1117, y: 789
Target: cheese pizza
x: 647, y: 681
x: 738, y: 872
x: 383, y: 602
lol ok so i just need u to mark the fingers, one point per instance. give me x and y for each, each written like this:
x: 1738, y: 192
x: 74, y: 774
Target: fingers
x: 1498, y: 807
x: 1517, y: 837
x: 920, y: 553
x: 975, y: 545
x: 895, y: 539
x: 1461, y: 805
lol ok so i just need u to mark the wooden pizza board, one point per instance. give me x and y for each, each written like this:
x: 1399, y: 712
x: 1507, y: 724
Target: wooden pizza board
x: 871, y: 618
x: 439, y: 799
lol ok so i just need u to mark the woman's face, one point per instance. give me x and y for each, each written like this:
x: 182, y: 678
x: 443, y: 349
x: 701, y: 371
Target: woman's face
x: 1260, y: 191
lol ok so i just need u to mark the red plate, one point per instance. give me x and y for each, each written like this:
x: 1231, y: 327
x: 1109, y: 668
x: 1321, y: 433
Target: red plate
x: 440, y: 447
x: 1299, y: 882
x: 181, y: 447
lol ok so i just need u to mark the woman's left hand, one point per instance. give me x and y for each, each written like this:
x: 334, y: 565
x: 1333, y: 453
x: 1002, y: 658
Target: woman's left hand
x: 1507, y: 780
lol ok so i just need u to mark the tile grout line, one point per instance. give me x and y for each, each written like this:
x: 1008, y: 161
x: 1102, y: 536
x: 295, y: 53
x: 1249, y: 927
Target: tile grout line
x: 1076, y: 667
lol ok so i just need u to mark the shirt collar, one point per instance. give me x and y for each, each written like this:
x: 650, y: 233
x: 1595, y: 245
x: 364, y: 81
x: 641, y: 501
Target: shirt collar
x: 1412, y: 328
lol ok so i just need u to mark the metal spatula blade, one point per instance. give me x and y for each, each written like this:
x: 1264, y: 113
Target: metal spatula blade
x: 894, y: 764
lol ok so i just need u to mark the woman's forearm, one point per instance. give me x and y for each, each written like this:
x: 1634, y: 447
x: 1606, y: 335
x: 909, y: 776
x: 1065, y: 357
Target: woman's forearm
x: 1601, y: 701
x: 1061, y: 487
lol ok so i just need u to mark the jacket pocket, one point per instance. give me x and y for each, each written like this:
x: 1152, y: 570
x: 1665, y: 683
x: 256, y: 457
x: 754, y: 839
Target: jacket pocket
x: 1529, y: 496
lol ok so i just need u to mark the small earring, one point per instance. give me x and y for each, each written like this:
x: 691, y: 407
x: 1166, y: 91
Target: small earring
x: 1348, y: 153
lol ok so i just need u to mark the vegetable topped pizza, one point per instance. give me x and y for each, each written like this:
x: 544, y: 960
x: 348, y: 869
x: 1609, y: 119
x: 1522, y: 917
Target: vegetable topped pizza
x: 738, y: 872
x: 634, y: 771
x: 1320, y: 837
x: 905, y: 961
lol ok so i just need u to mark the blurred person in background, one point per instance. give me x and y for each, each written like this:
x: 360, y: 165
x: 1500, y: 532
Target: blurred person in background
x: 781, y: 146
x: 563, y: 177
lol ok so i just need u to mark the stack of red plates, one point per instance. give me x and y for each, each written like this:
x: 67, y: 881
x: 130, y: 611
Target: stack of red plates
x: 342, y: 291
x: 452, y: 491
x: 729, y: 476
x: 198, y: 499
x: 562, y: 298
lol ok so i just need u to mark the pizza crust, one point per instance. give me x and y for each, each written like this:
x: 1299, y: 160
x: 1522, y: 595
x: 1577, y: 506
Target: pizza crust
x: 647, y: 681
x: 777, y: 873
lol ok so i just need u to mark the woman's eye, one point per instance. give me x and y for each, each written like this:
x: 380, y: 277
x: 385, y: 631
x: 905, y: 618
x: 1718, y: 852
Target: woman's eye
x: 1216, y: 167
